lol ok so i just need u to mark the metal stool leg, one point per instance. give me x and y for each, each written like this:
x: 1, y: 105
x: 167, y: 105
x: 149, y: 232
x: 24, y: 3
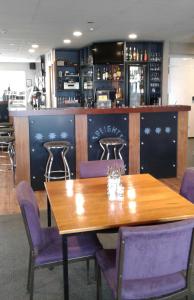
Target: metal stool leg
x: 47, y: 175
x: 115, y: 152
x: 108, y: 153
x: 119, y: 151
x: 103, y: 153
x: 67, y: 173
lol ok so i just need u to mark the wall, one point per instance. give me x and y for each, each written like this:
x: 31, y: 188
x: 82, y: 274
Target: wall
x: 30, y: 74
x: 181, y: 49
x: 165, y: 73
x: 181, y: 85
x: 34, y: 75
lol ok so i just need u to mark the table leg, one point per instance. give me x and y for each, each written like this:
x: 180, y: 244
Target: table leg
x: 48, y: 213
x: 65, y: 268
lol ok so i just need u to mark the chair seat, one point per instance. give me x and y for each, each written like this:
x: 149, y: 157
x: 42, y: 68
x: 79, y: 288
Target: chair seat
x: 141, y: 288
x: 81, y: 246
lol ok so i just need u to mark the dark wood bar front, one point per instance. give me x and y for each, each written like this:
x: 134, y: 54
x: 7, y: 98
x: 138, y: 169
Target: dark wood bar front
x: 156, y: 138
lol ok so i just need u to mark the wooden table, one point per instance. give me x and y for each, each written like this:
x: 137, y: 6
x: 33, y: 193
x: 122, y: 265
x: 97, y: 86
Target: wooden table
x: 82, y: 205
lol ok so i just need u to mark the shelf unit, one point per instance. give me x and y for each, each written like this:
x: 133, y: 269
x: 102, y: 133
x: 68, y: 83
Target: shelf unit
x: 148, y: 54
x: 67, y: 77
x: 78, y: 79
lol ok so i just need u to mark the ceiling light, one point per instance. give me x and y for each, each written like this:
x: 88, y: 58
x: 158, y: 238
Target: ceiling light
x: 35, y: 46
x: 67, y: 41
x: 77, y: 33
x: 91, y: 28
x: 31, y: 50
x: 132, y: 36
x: 12, y: 44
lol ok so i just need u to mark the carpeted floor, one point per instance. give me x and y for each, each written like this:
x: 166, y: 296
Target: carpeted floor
x: 48, y: 283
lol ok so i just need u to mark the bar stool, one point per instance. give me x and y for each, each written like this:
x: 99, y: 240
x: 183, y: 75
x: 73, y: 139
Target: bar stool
x: 115, y: 142
x: 51, y: 147
x: 50, y: 174
x: 7, y: 141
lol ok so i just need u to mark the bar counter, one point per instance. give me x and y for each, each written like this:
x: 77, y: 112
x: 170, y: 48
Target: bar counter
x: 156, y: 138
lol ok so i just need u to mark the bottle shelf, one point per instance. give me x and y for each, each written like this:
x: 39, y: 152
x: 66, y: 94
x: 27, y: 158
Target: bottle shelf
x: 108, y: 80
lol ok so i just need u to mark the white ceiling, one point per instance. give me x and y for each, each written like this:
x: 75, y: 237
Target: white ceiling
x: 48, y: 22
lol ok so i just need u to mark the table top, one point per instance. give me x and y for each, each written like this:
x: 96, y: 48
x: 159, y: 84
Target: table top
x: 83, y: 205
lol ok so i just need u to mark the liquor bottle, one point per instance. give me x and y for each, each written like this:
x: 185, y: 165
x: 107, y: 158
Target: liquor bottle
x: 130, y: 54
x: 127, y: 53
x: 118, y: 94
x: 98, y: 75
x: 137, y: 55
x: 134, y: 54
x: 141, y: 56
x: 114, y: 74
x: 60, y: 74
x: 104, y: 74
x: 118, y: 73
x: 145, y: 57
x: 109, y: 75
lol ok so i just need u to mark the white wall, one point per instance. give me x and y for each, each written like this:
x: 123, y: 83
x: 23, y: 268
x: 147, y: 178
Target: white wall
x: 181, y: 85
x: 30, y: 74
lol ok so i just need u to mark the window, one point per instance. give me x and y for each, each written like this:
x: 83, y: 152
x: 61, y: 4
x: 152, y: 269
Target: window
x: 16, y: 80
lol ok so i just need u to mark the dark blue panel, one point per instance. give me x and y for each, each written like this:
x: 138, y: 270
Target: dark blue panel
x: 158, y: 144
x: 109, y: 125
x: 49, y: 128
x: 4, y: 117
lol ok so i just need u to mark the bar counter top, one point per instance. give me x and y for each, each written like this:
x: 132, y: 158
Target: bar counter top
x: 86, y: 111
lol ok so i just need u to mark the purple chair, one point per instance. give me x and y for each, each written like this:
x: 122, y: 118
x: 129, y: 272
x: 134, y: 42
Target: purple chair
x: 187, y: 185
x: 99, y: 168
x: 150, y: 262
x: 46, y: 243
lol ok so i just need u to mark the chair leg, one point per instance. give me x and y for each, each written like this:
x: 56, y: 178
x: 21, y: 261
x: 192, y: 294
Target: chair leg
x: 29, y: 272
x: 98, y: 284
x: 31, y: 282
x: 88, y: 270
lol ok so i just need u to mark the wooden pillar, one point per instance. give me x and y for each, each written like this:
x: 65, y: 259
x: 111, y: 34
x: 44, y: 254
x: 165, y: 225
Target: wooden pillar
x: 134, y: 143
x: 182, y: 139
x: 81, y: 138
x: 22, y: 148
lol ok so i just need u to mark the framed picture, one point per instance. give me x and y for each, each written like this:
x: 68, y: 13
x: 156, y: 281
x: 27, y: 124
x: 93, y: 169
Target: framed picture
x: 28, y: 82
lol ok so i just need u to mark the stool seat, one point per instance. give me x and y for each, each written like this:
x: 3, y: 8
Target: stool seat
x: 6, y: 139
x: 6, y: 130
x: 117, y: 143
x: 112, y: 141
x: 5, y: 124
x: 56, y: 144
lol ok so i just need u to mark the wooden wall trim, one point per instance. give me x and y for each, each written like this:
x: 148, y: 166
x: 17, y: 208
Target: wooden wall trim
x: 81, y: 138
x: 22, y: 147
x: 182, y: 140
x: 134, y: 143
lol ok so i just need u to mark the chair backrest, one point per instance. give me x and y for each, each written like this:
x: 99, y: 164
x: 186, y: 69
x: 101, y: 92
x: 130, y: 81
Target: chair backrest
x: 187, y: 185
x: 153, y: 251
x: 30, y: 213
x: 99, y: 168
